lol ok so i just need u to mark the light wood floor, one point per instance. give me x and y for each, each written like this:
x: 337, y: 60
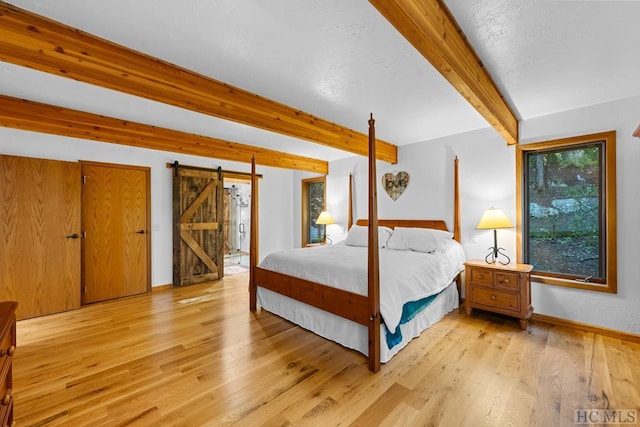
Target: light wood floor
x: 197, y: 356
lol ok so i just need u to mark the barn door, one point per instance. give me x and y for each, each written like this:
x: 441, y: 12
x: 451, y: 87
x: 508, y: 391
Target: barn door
x: 115, y: 219
x: 197, y: 225
x: 39, y: 235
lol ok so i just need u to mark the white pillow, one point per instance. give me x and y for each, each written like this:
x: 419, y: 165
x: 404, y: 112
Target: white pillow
x: 418, y: 239
x: 359, y: 236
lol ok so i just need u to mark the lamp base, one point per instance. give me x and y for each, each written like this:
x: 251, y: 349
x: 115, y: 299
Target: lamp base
x: 494, y: 253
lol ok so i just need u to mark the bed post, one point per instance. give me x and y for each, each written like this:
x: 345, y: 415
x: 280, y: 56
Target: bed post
x: 456, y: 203
x: 350, y: 213
x: 373, y: 257
x: 457, y: 234
x: 253, y: 238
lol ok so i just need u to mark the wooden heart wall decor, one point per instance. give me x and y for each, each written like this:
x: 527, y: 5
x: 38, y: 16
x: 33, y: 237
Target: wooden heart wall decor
x: 395, y: 185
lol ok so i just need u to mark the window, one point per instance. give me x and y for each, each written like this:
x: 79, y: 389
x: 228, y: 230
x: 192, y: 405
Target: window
x: 313, y: 196
x: 567, y: 211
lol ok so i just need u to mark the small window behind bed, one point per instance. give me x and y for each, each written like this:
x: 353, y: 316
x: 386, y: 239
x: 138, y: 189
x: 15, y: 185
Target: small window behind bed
x: 313, y: 202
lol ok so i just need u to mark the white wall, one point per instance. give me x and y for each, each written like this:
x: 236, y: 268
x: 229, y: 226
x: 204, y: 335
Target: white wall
x: 487, y: 179
x: 487, y: 170
x: 275, y: 204
x: 428, y: 195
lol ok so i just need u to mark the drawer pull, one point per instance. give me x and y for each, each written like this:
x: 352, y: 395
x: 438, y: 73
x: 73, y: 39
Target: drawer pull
x: 493, y: 297
x: 8, y: 352
x: 505, y: 281
x: 7, y: 398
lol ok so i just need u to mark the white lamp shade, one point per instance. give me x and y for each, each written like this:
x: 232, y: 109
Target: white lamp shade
x: 325, y: 218
x: 494, y: 218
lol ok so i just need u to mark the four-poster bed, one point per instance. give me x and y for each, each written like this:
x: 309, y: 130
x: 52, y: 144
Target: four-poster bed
x: 332, y: 303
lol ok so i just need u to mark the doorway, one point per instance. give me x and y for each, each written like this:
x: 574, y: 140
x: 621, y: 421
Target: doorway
x: 237, y: 221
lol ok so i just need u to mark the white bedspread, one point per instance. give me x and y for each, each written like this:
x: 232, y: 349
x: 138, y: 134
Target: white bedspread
x: 404, y: 275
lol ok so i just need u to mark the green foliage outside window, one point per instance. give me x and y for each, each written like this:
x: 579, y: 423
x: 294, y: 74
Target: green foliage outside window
x: 563, y: 227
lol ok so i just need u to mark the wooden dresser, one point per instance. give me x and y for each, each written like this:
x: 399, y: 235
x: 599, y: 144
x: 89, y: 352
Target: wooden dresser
x: 7, y: 349
x: 499, y: 288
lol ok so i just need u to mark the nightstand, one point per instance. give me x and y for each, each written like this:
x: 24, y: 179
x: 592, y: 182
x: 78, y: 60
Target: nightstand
x: 499, y: 288
x: 7, y: 349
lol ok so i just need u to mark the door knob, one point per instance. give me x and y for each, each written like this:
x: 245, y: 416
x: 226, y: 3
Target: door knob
x: 73, y: 236
x: 140, y: 231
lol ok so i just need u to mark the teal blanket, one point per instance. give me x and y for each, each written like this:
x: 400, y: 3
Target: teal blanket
x: 409, y: 311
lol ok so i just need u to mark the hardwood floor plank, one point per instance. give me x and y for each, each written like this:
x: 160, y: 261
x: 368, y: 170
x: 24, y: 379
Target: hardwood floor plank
x: 574, y: 373
x: 549, y: 393
x: 625, y: 394
x: 196, y: 356
x: 469, y: 376
x: 309, y: 401
x: 598, y: 382
x: 437, y: 350
x: 518, y: 409
x: 402, y: 414
x: 383, y: 406
x: 531, y: 369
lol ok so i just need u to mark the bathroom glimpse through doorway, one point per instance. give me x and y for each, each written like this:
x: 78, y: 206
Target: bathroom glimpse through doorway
x: 237, y: 222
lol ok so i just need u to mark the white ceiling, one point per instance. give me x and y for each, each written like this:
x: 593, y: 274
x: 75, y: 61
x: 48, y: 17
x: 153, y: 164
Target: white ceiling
x: 340, y: 60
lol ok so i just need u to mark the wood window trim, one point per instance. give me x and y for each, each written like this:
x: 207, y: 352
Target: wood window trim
x: 609, y: 138
x: 305, y: 204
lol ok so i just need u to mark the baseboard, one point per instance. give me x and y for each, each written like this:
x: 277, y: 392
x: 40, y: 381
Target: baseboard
x: 626, y: 336
x: 161, y: 287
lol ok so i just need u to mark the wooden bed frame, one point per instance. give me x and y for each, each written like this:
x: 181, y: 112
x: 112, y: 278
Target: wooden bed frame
x: 362, y: 309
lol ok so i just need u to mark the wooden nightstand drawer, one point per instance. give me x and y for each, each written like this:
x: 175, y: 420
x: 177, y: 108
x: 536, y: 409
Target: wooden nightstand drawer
x: 481, y: 276
x: 507, y: 281
x: 500, y: 288
x: 496, y: 299
x: 7, y: 349
x: 5, y: 387
x: 6, y: 346
x: 6, y: 413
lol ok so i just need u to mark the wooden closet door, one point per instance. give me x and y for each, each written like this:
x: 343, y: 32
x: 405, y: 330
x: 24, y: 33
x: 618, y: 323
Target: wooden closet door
x: 39, y: 235
x: 115, y: 219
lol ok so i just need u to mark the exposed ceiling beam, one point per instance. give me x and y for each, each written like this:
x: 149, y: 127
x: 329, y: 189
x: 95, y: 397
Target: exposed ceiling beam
x: 37, y: 42
x: 432, y: 30
x: 37, y: 117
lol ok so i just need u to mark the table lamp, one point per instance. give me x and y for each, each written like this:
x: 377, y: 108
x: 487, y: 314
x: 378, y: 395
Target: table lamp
x: 494, y: 219
x: 323, y: 219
